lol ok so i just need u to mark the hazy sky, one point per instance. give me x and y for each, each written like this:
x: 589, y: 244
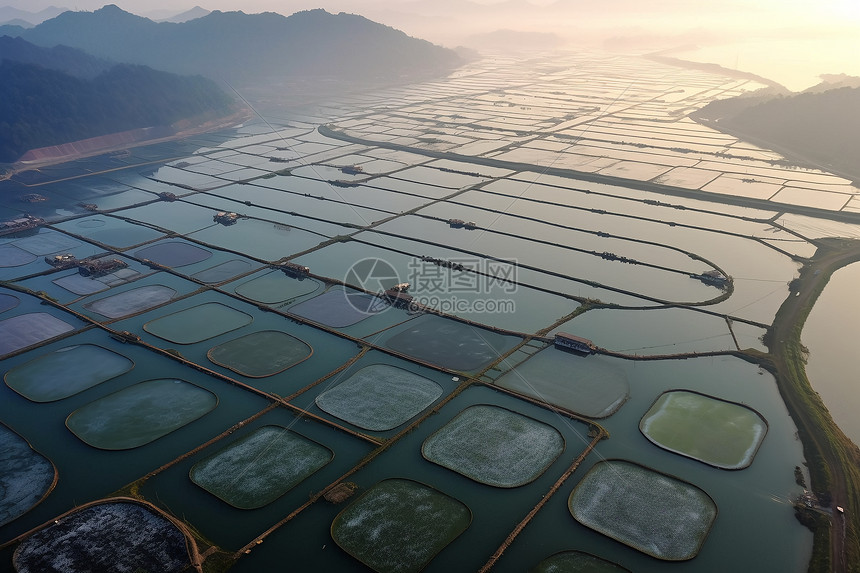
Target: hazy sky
x: 811, y: 36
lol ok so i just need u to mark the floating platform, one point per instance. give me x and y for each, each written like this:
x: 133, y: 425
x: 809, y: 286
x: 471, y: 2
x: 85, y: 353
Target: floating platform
x: 225, y: 218
x: 566, y: 341
x: 19, y: 224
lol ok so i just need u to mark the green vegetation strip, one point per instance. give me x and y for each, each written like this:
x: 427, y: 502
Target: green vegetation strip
x: 832, y: 458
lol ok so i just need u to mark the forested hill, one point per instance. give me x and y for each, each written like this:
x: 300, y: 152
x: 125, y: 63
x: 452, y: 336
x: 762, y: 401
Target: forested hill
x: 41, y: 107
x: 243, y: 47
x: 820, y: 127
x: 62, y: 58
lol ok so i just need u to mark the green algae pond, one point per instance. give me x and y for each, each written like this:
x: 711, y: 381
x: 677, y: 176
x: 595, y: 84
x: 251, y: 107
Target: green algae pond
x: 713, y: 431
x: 576, y: 562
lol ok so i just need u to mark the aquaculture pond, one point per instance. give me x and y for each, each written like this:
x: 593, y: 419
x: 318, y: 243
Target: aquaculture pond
x: 399, y: 525
x: 652, y: 512
x: 379, y: 397
x: 261, y: 467
x: 713, y: 431
x: 121, y: 536
x: 292, y: 419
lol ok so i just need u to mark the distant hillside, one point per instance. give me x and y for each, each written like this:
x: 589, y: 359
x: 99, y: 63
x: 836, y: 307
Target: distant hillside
x: 823, y: 128
x: 192, y: 14
x: 42, y: 107
x: 11, y: 30
x: 8, y: 14
x: 242, y: 47
x: 62, y: 58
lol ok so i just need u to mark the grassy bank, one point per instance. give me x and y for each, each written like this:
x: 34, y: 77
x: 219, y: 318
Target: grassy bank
x: 832, y: 458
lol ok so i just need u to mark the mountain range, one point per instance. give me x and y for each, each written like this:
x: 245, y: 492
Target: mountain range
x: 63, y: 80
x: 51, y: 96
x: 247, y: 48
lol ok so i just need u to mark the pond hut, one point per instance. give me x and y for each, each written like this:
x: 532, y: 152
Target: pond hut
x: 567, y: 341
x: 226, y: 218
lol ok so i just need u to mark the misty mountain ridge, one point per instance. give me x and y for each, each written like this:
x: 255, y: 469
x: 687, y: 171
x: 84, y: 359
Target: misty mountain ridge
x: 192, y: 14
x: 61, y: 58
x: 9, y: 14
x: 52, y: 96
x: 240, y: 47
x: 821, y: 128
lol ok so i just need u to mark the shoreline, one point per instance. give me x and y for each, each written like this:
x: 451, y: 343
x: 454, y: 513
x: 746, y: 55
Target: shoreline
x: 832, y: 459
x: 19, y: 166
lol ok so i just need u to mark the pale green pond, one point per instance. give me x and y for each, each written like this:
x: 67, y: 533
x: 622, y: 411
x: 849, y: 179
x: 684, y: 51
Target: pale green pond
x: 713, y: 431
